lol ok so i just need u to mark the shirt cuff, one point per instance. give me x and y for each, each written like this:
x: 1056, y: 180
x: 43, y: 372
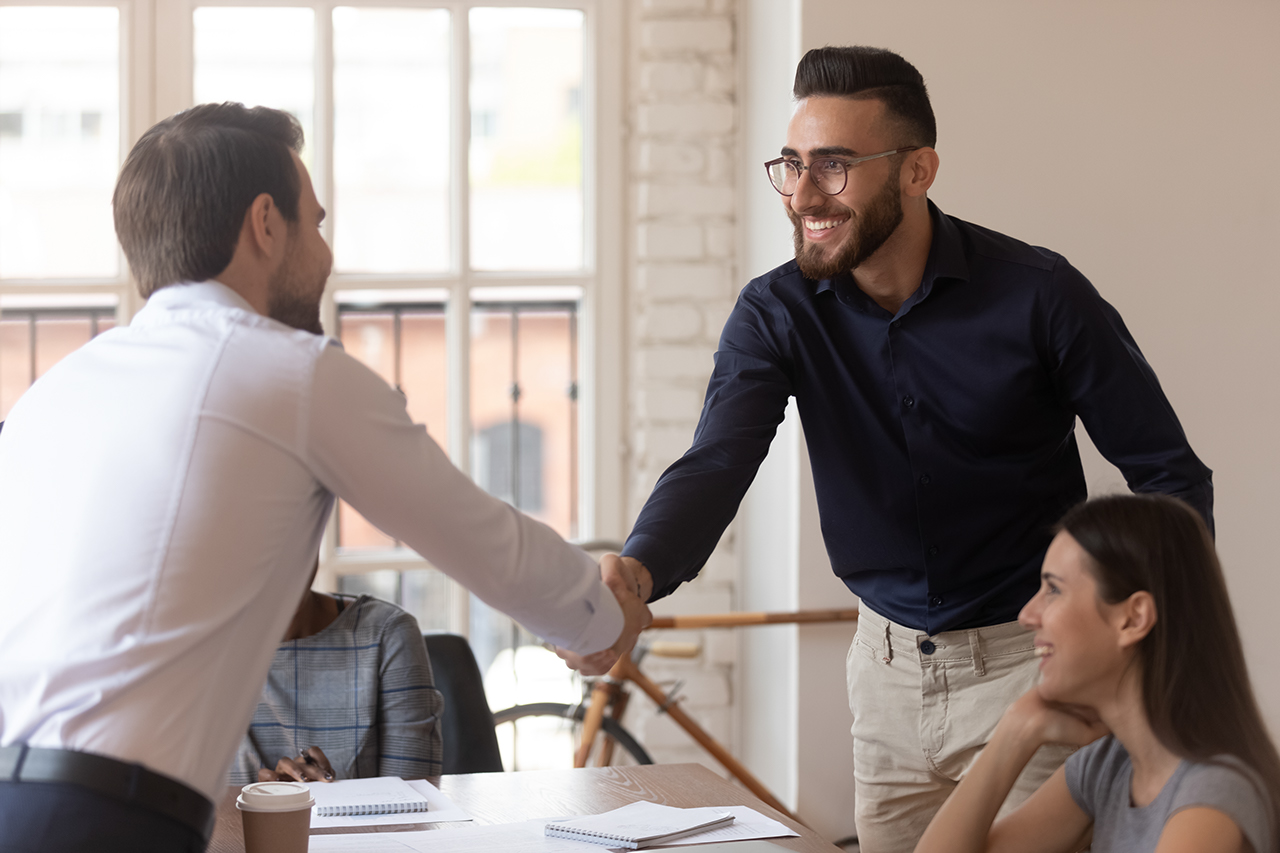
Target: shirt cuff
x: 645, y: 548
x: 604, y: 625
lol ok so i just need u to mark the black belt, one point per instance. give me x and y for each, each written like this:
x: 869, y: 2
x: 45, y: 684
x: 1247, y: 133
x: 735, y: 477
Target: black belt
x: 129, y: 783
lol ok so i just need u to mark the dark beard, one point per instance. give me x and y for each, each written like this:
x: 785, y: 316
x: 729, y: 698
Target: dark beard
x: 293, y: 311
x: 287, y: 299
x: 872, y: 228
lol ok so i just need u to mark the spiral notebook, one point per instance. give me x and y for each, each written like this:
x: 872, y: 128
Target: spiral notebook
x: 376, y: 795
x: 639, y: 825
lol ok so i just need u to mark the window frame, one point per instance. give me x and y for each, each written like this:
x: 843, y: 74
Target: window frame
x: 136, y: 110
x: 156, y: 66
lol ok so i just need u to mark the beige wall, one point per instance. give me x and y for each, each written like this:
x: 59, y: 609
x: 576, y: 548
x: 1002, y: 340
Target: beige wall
x: 1138, y: 139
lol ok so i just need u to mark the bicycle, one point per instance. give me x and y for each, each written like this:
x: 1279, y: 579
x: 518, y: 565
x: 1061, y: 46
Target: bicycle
x: 606, y: 701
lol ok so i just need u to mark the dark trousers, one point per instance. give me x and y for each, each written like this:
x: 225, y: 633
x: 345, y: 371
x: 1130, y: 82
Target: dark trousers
x: 57, y: 817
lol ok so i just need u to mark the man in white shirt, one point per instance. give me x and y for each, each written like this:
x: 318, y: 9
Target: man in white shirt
x: 165, y: 488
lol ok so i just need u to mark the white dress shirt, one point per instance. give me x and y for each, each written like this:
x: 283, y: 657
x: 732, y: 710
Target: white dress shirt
x: 162, y: 495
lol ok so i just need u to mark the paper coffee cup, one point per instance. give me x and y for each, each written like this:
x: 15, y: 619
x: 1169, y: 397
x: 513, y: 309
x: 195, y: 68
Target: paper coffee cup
x: 276, y: 816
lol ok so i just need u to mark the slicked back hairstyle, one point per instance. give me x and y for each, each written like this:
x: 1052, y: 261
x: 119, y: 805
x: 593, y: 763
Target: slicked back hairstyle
x: 1195, y: 686
x: 866, y: 73
x: 183, y: 192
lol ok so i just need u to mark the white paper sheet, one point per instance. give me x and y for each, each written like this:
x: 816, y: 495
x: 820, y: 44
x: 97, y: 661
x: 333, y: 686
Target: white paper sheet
x: 640, y: 821
x: 441, y: 810
x: 528, y: 837
x: 747, y: 824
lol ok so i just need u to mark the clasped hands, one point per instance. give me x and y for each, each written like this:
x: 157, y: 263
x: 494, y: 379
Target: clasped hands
x: 311, y: 765
x: 631, y: 584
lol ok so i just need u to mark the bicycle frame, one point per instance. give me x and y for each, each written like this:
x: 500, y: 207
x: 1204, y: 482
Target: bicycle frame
x: 610, y: 688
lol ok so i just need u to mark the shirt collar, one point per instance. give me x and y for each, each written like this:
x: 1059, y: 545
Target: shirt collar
x: 202, y: 294
x: 946, y: 261
x: 946, y: 253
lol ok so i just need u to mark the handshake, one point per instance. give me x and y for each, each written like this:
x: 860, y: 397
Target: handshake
x: 631, y: 585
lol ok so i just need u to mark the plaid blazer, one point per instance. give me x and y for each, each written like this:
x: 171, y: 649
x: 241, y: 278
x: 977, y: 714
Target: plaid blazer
x: 361, y: 690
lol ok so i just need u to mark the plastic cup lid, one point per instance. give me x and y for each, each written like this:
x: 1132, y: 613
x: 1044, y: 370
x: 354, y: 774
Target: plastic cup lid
x: 274, y: 797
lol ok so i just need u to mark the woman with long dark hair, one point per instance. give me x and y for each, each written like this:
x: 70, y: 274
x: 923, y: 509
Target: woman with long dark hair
x: 1142, y: 666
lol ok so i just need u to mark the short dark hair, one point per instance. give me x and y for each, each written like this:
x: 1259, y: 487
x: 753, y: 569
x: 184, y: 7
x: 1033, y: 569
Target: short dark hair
x: 182, y: 194
x: 865, y: 73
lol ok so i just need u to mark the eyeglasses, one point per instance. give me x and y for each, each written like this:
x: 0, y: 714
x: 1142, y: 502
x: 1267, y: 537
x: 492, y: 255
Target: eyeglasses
x: 828, y: 174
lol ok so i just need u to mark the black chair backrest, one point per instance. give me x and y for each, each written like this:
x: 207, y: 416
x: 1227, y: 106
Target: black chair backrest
x: 470, y: 744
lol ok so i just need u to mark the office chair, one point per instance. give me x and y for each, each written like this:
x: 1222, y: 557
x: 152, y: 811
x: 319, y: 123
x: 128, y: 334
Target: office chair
x: 470, y: 744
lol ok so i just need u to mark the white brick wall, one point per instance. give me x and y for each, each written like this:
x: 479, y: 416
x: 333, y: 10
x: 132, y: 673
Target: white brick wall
x: 704, y: 283
x: 682, y: 283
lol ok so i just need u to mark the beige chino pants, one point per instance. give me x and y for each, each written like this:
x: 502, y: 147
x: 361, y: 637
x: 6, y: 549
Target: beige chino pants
x: 923, y: 708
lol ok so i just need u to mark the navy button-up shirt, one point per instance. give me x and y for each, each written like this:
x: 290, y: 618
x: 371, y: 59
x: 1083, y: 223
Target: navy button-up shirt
x: 942, y: 438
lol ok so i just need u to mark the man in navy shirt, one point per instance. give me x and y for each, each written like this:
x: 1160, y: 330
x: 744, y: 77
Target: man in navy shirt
x: 938, y: 368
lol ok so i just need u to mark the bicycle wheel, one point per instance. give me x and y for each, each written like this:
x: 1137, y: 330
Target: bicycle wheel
x: 572, y: 715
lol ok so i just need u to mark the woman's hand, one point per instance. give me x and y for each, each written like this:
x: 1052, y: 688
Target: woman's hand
x: 1031, y: 717
x: 311, y: 765
x: 1050, y: 820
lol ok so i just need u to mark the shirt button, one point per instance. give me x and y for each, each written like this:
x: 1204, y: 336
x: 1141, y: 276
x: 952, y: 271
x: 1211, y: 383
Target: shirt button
x: 908, y: 401
x: 935, y: 600
x: 925, y: 480
x: 933, y: 550
x: 896, y: 324
x: 927, y: 647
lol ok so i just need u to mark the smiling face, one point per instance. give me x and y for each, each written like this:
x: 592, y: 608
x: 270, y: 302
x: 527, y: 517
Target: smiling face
x: 1085, y: 649
x: 838, y: 233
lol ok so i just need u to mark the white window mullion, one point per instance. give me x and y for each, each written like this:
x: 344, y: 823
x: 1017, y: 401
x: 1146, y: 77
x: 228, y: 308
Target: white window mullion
x: 327, y: 577
x: 458, y: 318
x: 459, y: 311
x: 602, y: 358
x: 137, y: 106
x: 323, y: 143
x: 173, y: 52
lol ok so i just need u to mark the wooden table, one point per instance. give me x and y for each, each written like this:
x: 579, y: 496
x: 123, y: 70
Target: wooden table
x: 506, y: 797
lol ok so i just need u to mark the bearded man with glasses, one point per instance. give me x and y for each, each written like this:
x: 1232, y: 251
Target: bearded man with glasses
x: 938, y: 368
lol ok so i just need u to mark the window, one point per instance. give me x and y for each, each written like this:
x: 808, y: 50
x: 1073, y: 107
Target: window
x: 59, y: 142
x: 417, y: 206
x: 36, y: 333
x: 468, y: 155
x: 524, y: 394
x: 509, y: 468
x: 404, y: 342
x: 61, y: 279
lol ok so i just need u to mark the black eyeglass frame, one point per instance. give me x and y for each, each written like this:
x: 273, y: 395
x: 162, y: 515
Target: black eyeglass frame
x: 800, y: 168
